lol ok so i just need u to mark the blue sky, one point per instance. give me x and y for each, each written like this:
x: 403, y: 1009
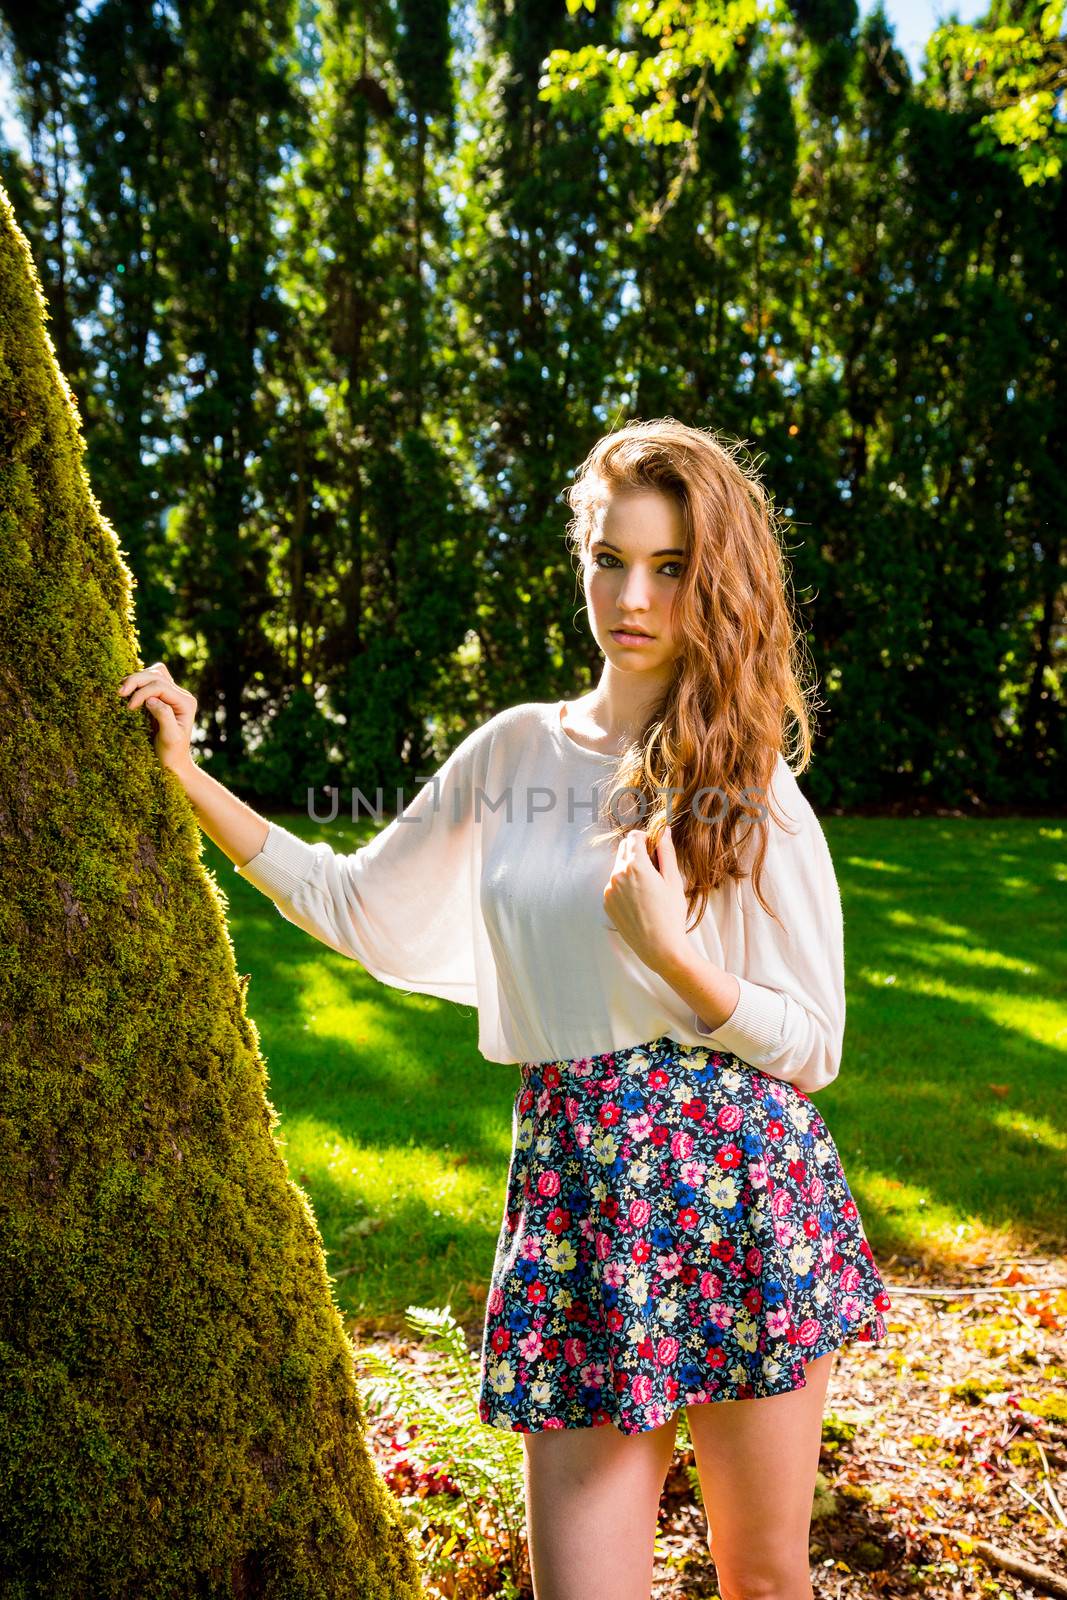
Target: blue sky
x: 915, y: 20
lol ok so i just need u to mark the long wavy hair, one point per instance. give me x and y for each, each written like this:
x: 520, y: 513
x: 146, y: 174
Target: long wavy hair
x: 740, y: 692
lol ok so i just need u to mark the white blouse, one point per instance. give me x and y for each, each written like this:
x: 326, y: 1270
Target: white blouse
x: 487, y: 891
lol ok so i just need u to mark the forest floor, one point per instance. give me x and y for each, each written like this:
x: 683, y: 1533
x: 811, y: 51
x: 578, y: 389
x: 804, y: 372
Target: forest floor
x: 944, y: 1452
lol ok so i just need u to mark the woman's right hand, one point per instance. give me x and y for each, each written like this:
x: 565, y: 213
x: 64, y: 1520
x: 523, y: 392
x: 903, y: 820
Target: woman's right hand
x: 172, y: 708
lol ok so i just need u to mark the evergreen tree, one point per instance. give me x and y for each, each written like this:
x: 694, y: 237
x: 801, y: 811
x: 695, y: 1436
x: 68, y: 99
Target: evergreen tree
x: 178, y: 1407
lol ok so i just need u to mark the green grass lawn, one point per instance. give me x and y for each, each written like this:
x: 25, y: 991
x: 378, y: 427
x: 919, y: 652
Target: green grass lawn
x: 949, y: 1111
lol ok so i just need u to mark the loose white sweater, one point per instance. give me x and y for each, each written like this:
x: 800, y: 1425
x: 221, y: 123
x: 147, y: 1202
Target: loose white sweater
x: 486, y: 890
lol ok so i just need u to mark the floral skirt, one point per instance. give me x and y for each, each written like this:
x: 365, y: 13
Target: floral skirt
x: 678, y: 1228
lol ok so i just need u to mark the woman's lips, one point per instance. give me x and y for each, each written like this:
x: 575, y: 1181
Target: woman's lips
x: 623, y: 636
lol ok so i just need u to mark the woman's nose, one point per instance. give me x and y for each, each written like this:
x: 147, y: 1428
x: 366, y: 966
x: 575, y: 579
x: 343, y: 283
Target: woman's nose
x: 634, y: 591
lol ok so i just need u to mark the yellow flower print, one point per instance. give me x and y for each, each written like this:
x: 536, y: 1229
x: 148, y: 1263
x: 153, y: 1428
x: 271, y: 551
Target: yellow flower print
x: 605, y: 1148
x: 540, y: 1394
x: 800, y: 1115
x: 800, y: 1258
x: 722, y: 1191
x: 637, y: 1284
x: 501, y: 1375
x: 524, y: 1134
x: 772, y: 1369
x: 560, y: 1255
x: 745, y: 1333
x: 640, y: 1172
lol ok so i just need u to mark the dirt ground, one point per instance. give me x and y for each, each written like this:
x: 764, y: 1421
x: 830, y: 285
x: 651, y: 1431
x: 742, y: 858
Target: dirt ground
x: 944, y: 1452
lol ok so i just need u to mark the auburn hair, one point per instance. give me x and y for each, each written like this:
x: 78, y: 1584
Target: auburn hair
x: 740, y: 692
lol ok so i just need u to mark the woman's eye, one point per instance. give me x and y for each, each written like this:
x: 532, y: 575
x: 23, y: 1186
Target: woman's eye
x: 604, y: 555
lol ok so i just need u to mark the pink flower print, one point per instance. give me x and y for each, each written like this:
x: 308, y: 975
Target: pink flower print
x: 730, y: 1118
x: 851, y: 1308
x: 781, y: 1203
x: 681, y: 1145
x: 758, y: 1173
x: 574, y: 1352
x: 603, y: 1245
x: 692, y: 1173
x: 670, y: 1265
x: 721, y: 1314
x: 641, y: 1388
x: 783, y: 1233
x: 778, y: 1322
x: 570, y: 1108
x: 640, y: 1126
x: 655, y: 1415
x: 496, y: 1300
x: 816, y: 1191
x: 592, y: 1374
x: 553, y: 1422
x: 639, y: 1213
x: 710, y: 1285
x: 586, y: 1225
x: 582, y: 1135
x: 808, y: 1332
x: 849, y: 1281
x: 530, y: 1345
x: 548, y: 1183
x: 614, y: 1274
x: 666, y: 1350
x: 530, y: 1248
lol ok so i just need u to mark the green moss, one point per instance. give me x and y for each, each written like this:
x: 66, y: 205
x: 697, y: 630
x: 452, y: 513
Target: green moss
x: 1053, y: 1407
x: 178, y: 1408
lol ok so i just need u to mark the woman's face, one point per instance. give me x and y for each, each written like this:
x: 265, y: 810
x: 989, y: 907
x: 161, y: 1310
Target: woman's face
x: 632, y: 569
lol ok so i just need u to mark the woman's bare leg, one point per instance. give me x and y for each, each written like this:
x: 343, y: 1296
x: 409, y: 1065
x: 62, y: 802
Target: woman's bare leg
x: 592, y: 1498
x: 757, y: 1461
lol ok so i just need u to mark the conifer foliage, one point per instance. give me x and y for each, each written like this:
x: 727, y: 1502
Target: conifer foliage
x: 178, y: 1408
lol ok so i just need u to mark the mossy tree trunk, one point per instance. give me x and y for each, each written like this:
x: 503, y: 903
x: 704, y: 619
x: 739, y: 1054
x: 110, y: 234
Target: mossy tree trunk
x: 178, y: 1410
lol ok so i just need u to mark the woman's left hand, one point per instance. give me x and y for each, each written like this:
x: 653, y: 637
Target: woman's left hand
x: 648, y: 905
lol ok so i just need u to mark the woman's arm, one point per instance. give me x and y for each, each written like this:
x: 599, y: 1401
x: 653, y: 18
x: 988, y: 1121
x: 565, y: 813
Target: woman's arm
x: 238, y: 831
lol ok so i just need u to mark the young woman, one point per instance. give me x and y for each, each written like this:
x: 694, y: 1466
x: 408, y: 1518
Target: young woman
x: 634, y: 893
